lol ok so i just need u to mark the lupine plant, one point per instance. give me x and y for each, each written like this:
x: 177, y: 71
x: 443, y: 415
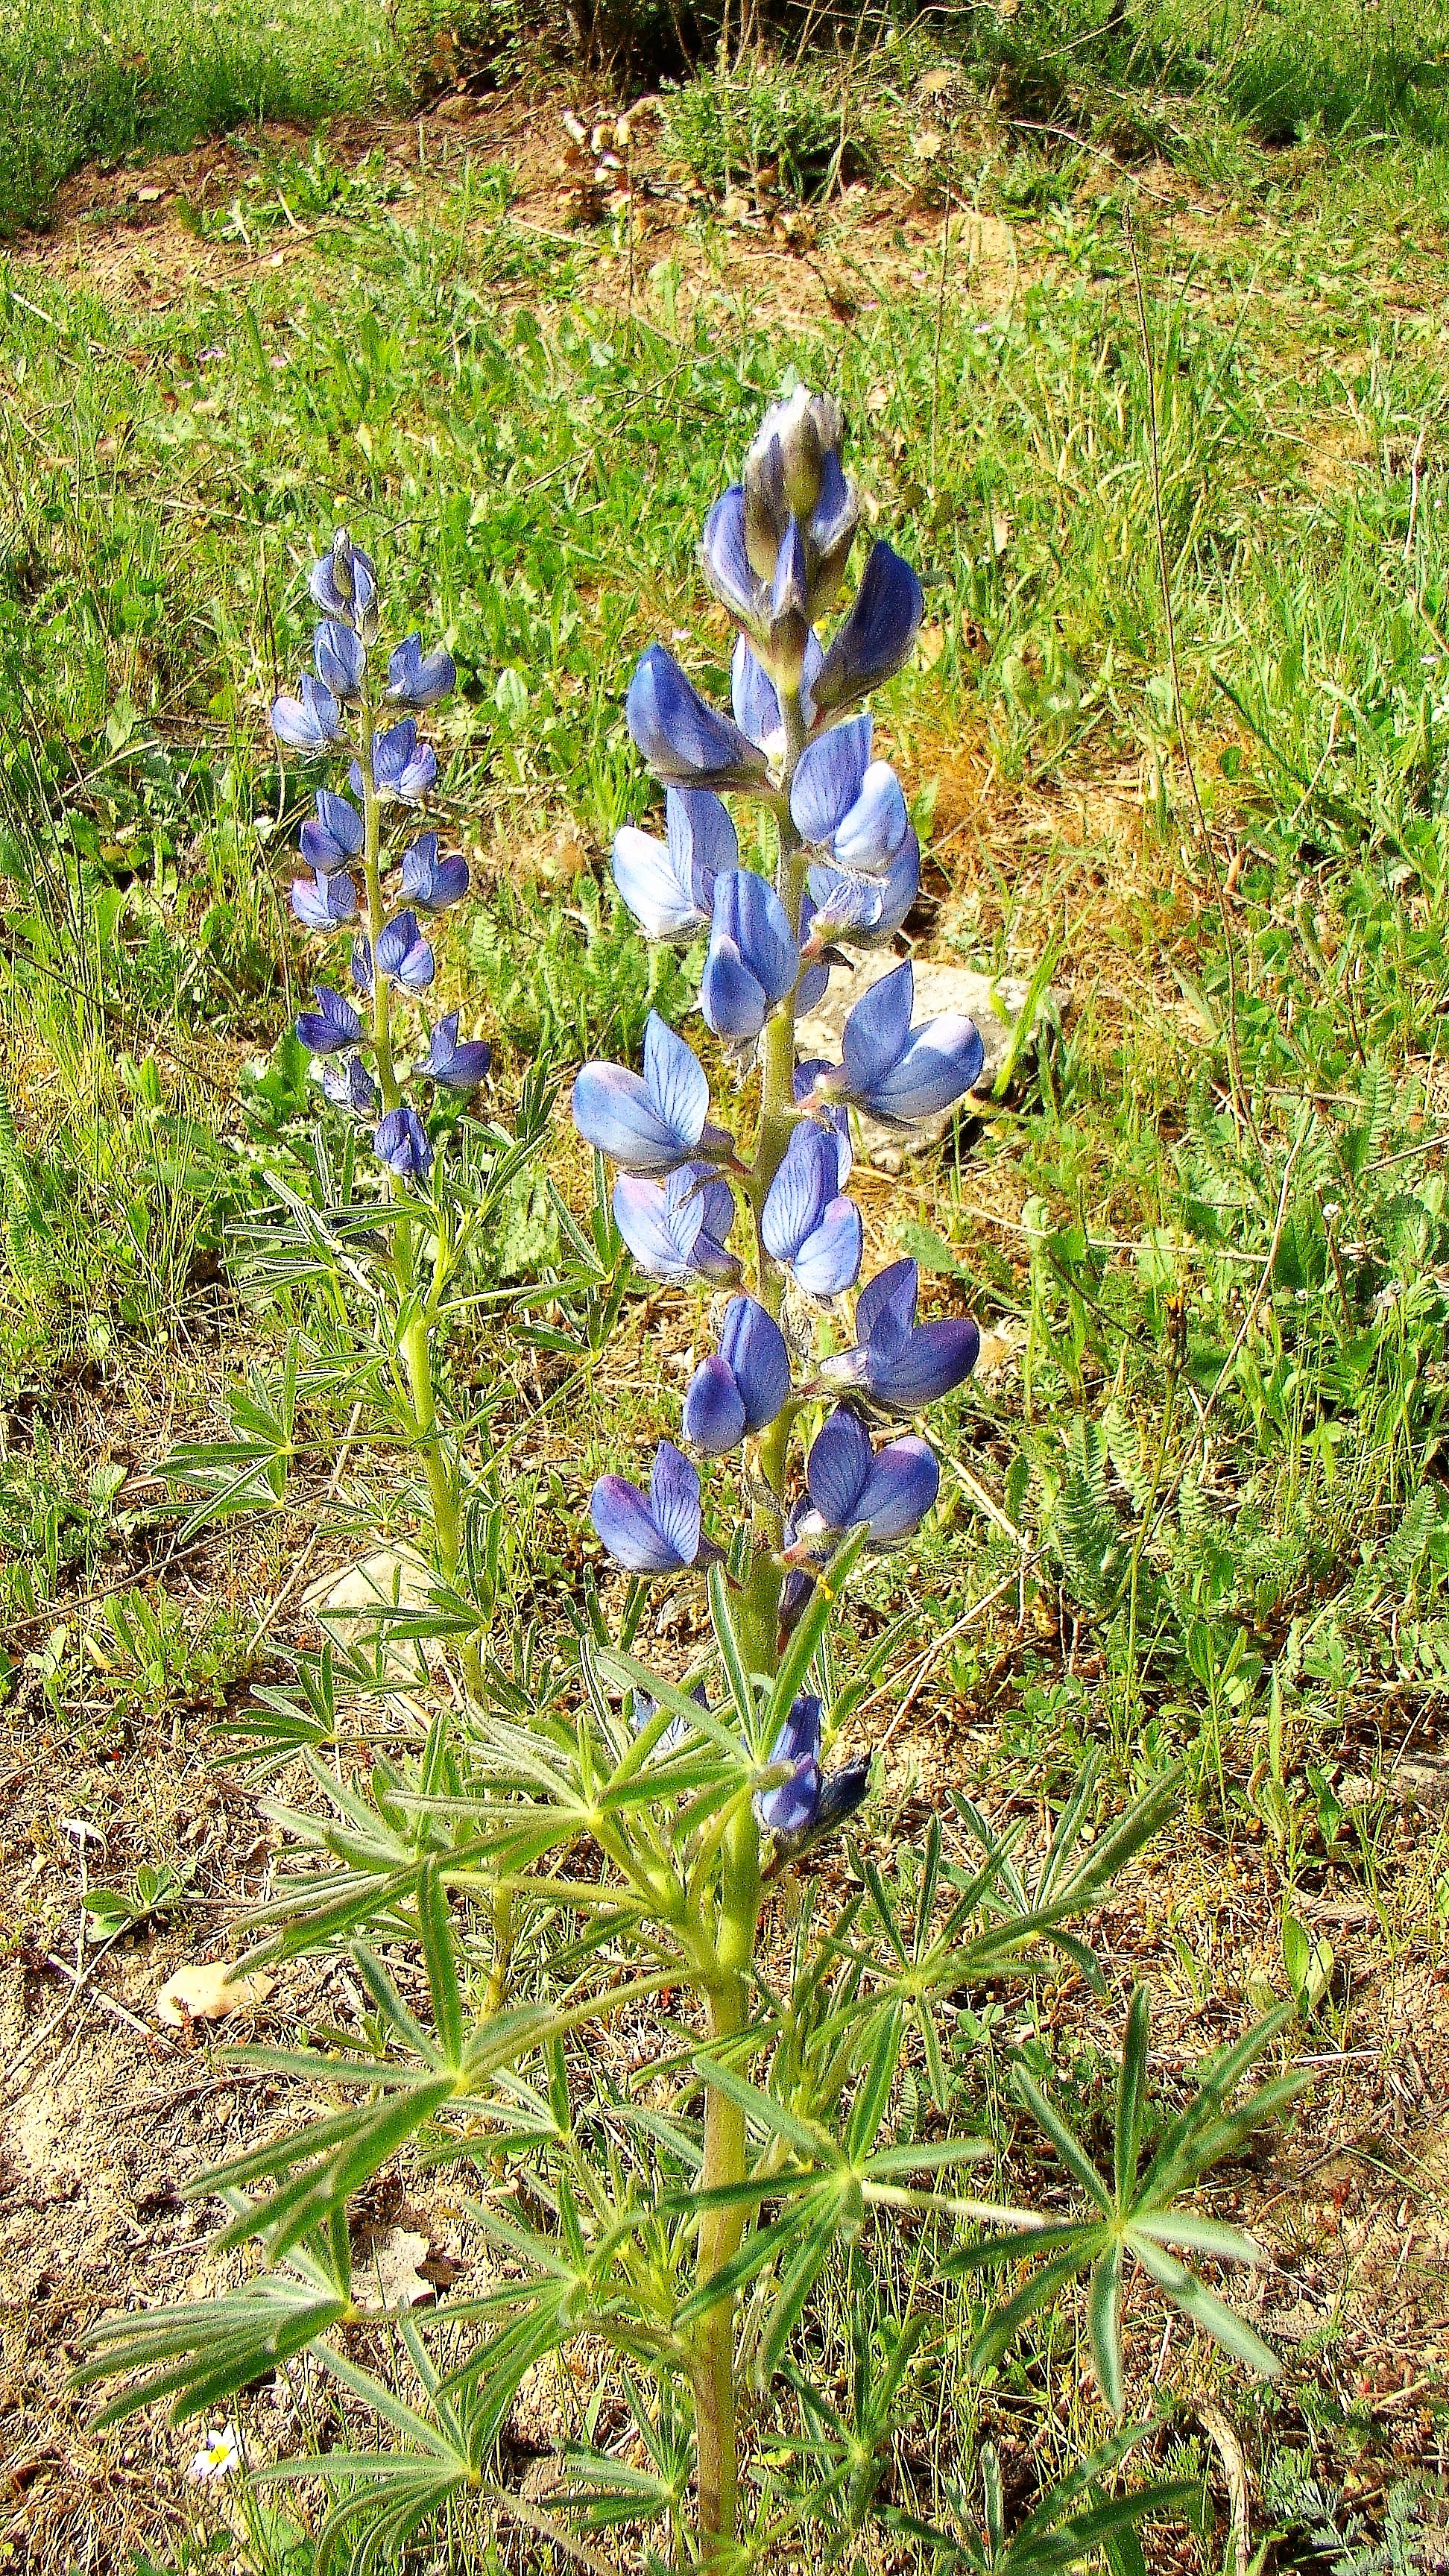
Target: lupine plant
x: 391, y: 771
x: 683, y: 2065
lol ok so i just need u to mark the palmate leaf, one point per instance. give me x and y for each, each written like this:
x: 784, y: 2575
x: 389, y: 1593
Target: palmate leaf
x: 203, y: 2351
x: 1135, y: 2214
x: 1069, y: 2525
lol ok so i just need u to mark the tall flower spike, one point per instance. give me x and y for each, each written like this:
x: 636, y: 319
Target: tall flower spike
x: 849, y: 1483
x: 660, y: 1533
x: 898, y: 1073
x: 652, y: 1125
x: 753, y: 960
x: 419, y: 679
x: 686, y: 742
x: 429, y: 880
x: 897, y: 1363
x: 307, y: 723
x: 875, y: 639
x: 332, y: 1026
x: 669, y: 885
x: 678, y: 1231
x: 334, y: 835
x: 806, y: 1224
x: 743, y: 1385
x: 456, y: 1067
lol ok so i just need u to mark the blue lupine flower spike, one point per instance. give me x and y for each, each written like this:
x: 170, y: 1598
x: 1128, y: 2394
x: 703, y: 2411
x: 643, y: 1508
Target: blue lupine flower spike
x: 332, y: 1026
x: 743, y: 1385
x: 402, y: 1143
x: 657, y: 1533
x: 649, y: 1125
x: 457, y: 1067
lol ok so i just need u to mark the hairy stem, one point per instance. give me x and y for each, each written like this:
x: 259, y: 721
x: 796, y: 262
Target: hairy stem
x: 713, y: 2368
x: 760, y: 1607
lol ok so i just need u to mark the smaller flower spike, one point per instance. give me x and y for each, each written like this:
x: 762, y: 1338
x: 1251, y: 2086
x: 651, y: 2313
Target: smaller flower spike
x: 651, y: 1125
x: 753, y: 960
x: 658, y: 1534
x: 430, y: 881
x: 344, y: 586
x: 896, y: 1072
x: 685, y: 741
x: 669, y: 885
x: 897, y: 1363
x: 323, y: 902
x: 402, y: 1143
x: 742, y: 1387
x: 875, y: 639
x: 457, y: 1068
x: 678, y: 1232
x: 335, y: 836
x: 419, y: 679
x: 331, y: 1027
x: 403, y: 769
x: 849, y: 1484
x: 806, y: 1224
x: 340, y: 659
x: 350, y: 1086
x: 790, y: 1808
x: 309, y: 722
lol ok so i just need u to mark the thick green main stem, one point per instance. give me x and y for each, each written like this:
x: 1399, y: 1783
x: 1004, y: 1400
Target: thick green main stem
x: 720, y: 2230
x: 757, y: 1617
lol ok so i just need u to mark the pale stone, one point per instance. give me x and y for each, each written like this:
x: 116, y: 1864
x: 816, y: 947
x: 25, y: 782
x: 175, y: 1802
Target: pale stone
x: 994, y: 1005
x: 352, y: 1608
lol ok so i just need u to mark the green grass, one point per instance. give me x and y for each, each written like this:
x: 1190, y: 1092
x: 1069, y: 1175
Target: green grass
x: 1211, y: 1220
x: 99, y: 79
